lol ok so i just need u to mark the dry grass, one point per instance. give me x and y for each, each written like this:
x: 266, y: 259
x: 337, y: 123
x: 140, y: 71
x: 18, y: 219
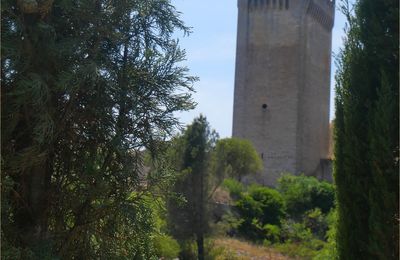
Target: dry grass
x: 222, y: 196
x: 246, y: 251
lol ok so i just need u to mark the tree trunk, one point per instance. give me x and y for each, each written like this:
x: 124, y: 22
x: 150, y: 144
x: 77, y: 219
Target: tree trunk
x: 33, y: 220
x: 200, y: 246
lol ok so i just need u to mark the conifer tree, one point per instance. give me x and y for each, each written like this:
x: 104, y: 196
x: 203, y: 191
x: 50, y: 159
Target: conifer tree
x: 85, y: 87
x: 367, y: 132
x: 188, y: 219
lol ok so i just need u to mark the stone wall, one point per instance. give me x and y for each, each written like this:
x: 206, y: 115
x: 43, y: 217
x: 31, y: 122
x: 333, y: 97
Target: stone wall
x: 281, y: 100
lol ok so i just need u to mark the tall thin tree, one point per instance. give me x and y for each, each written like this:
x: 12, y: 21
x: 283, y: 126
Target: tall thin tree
x: 367, y: 132
x: 189, y: 220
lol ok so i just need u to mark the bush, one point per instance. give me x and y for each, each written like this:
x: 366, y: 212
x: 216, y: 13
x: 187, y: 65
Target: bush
x: 257, y: 208
x: 166, y: 247
x: 228, y: 225
x: 299, y: 241
x: 316, y: 222
x: 329, y: 252
x: 294, y: 232
x: 272, y: 233
x: 188, y: 250
x: 260, y: 215
x: 234, y: 187
x: 302, y: 194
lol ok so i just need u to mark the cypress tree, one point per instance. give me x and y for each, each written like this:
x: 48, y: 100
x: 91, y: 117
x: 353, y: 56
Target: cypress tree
x: 367, y: 133
x: 188, y: 220
x: 85, y: 87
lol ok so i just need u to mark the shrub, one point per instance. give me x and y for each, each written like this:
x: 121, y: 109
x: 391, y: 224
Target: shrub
x: 299, y: 241
x: 303, y: 193
x: 166, y: 247
x: 188, y: 250
x: 272, y: 233
x: 234, y: 187
x: 258, y: 207
x: 329, y: 251
x: 295, y: 232
x: 316, y: 222
x: 228, y: 225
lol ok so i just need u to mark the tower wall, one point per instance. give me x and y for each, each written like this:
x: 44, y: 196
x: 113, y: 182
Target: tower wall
x: 281, y: 100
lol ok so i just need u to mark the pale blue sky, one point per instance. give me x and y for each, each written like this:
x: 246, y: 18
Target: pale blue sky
x: 211, y: 52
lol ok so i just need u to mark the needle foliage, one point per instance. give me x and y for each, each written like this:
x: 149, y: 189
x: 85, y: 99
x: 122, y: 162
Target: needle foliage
x: 367, y: 132
x: 86, y: 86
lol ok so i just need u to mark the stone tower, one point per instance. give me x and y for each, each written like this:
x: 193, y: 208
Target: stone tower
x: 282, y: 83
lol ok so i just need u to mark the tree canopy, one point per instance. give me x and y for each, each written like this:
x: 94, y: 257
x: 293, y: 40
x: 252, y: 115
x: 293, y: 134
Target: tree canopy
x: 85, y: 87
x: 236, y: 158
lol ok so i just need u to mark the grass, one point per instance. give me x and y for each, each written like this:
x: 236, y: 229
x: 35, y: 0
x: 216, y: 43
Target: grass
x: 246, y: 251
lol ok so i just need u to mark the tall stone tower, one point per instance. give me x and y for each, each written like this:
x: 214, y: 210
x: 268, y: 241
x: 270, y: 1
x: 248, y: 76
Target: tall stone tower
x: 282, y: 84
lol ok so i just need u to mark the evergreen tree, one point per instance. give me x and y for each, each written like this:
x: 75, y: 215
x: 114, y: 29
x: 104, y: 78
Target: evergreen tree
x: 188, y: 219
x: 367, y: 132
x: 85, y: 87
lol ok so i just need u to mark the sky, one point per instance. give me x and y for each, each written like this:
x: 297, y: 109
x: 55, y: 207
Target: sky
x: 210, y: 55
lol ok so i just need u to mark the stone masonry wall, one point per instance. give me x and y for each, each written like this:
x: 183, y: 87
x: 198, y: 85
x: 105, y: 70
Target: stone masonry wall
x: 281, y: 100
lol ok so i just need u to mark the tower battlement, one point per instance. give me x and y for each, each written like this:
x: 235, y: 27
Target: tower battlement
x: 268, y: 4
x: 322, y: 11
x: 327, y: 7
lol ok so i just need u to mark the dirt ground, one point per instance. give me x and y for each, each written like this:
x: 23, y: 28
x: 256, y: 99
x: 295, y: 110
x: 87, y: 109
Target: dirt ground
x: 246, y: 251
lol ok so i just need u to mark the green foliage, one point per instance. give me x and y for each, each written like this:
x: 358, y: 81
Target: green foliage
x: 166, y: 247
x: 272, y: 233
x: 188, y: 219
x: 367, y: 132
x: 234, y: 187
x: 258, y: 207
x: 296, y: 232
x: 10, y: 252
x: 260, y: 215
x: 329, y: 251
x: 303, y: 193
x: 316, y: 222
x: 188, y: 250
x: 228, y: 225
x: 298, y: 241
x: 236, y: 158
x: 87, y: 86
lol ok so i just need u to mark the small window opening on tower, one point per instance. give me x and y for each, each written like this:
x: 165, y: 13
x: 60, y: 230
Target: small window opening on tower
x: 264, y: 106
x: 262, y: 155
